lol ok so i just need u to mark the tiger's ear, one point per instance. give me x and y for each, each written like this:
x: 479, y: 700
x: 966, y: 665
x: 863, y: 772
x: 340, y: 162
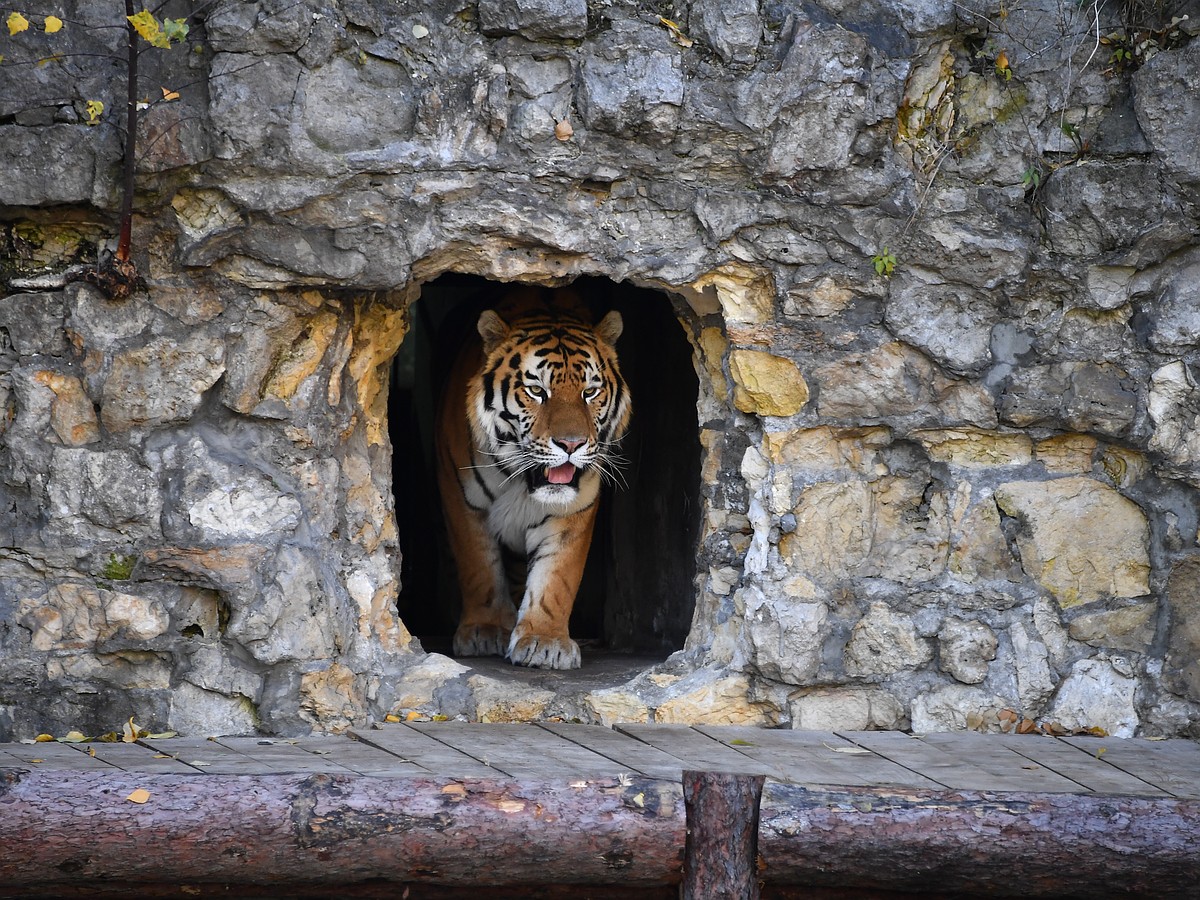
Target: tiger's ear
x: 610, y: 328
x: 492, y: 329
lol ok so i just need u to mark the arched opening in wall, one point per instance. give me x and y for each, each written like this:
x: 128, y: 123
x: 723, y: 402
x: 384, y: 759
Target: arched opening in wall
x: 637, y: 595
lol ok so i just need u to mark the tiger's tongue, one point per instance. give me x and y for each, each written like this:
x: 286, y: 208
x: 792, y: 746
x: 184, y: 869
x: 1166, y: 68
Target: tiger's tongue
x: 560, y: 474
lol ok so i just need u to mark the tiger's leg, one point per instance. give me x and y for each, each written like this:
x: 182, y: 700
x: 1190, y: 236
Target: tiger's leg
x: 557, y: 551
x: 488, y: 614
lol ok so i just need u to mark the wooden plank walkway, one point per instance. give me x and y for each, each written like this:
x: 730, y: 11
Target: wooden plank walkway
x: 552, y: 810
x: 952, y: 761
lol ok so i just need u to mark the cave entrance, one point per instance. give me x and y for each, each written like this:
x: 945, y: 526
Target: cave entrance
x: 638, y: 590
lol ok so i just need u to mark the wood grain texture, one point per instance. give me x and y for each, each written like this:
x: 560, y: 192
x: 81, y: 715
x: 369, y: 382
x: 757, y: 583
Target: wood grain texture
x: 972, y: 843
x: 334, y: 829
x: 62, y: 829
x: 720, y: 857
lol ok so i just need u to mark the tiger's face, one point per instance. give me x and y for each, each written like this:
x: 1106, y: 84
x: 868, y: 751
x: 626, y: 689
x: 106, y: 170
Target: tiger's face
x: 549, y: 404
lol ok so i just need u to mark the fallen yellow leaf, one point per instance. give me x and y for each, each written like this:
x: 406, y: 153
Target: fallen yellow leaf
x: 53, y: 24
x: 44, y: 738
x: 412, y: 714
x: 170, y: 95
x: 391, y: 718
x: 17, y: 23
x: 73, y: 737
x: 141, y: 795
x: 131, y: 731
x: 147, y: 26
x: 676, y: 32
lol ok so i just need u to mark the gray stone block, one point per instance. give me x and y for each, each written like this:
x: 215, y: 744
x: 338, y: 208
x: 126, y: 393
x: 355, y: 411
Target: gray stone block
x: 534, y: 19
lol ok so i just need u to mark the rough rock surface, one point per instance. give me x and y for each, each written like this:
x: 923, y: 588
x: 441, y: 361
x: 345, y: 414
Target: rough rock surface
x: 1082, y: 540
x: 942, y: 315
x: 965, y: 649
x: 1098, y: 694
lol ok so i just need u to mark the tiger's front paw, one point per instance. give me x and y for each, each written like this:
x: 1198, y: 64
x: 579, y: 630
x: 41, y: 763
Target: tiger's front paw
x: 480, y: 640
x: 542, y: 651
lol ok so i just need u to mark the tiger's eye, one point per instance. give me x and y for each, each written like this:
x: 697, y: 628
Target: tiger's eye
x: 536, y: 391
x: 589, y: 394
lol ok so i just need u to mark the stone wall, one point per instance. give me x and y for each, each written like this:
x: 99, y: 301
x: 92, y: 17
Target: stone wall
x: 938, y: 262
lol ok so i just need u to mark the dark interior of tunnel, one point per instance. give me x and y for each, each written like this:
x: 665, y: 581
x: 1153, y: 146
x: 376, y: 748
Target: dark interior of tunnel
x: 637, y: 590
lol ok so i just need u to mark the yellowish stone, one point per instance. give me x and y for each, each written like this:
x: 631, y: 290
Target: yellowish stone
x: 1128, y: 628
x: 1067, y: 454
x: 973, y: 447
x: 1082, y: 540
x: 713, y: 345
x: 832, y: 535
x: 613, y: 705
x: 885, y: 528
x: 72, y: 414
x: 765, y: 384
x: 725, y: 701
x: 746, y: 293
x: 710, y: 443
x: 301, y: 357
x: 332, y: 697
x: 828, y: 449
x: 979, y: 549
x: 378, y: 331
x: 369, y: 514
x: 501, y: 701
x: 1124, y: 466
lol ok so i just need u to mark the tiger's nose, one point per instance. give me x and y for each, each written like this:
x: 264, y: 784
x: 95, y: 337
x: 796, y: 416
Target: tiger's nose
x: 568, y: 444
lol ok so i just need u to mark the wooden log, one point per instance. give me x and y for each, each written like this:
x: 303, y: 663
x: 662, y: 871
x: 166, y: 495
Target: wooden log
x: 981, y: 844
x: 79, y: 827
x: 721, y: 851
x: 76, y: 834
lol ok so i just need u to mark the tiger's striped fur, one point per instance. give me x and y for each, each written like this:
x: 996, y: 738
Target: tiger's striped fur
x: 526, y: 430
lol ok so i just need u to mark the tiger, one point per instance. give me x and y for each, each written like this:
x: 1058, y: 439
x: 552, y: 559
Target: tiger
x: 527, y: 428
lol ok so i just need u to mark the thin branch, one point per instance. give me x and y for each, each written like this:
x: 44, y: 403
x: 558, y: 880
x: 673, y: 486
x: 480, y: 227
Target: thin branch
x: 128, y: 168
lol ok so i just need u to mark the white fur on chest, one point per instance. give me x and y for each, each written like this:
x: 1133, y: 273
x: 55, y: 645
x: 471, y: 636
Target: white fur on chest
x: 512, y: 511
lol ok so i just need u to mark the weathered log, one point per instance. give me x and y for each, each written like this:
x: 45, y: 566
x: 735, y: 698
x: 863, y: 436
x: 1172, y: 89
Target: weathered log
x: 976, y: 843
x: 330, y: 829
x: 721, y: 851
x: 63, y: 831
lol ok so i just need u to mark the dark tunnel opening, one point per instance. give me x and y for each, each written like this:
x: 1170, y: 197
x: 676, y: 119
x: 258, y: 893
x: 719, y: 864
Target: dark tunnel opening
x: 637, y: 594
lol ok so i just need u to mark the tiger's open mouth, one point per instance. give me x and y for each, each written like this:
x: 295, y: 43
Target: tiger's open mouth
x: 566, y: 474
